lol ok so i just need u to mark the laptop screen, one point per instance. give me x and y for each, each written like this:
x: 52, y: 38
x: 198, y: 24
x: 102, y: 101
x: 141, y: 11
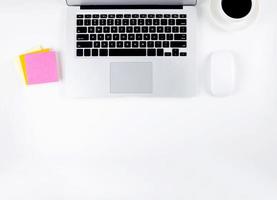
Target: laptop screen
x: 131, y: 2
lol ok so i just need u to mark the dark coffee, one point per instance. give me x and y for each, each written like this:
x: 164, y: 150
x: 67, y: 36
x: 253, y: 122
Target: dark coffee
x: 236, y: 8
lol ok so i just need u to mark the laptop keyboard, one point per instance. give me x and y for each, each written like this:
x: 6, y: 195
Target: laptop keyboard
x: 131, y: 35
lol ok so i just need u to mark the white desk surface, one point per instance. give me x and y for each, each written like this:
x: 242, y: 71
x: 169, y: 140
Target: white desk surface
x: 198, y: 148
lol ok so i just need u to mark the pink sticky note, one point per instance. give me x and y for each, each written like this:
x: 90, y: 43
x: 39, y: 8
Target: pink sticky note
x: 41, y: 67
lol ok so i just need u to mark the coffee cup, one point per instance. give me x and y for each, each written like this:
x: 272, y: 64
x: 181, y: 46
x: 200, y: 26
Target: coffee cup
x: 234, y: 14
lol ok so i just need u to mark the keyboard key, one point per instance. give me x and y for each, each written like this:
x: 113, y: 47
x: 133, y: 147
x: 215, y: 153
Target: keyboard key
x: 138, y: 36
x: 87, y: 22
x: 175, y: 52
x: 146, y: 36
x: 174, y: 16
x: 116, y: 37
x: 114, y: 29
x: 160, y: 29
x: 148, y: 22
x: 135, y: 44
x: 151, y: 52
x: 154, y: 36
x: 112, y: 44
x: 104, y: 44
x: 150, y: 44
x: 183, y: 54
x: 94, y: 52
x: 180, y: 36
x: 103, y: 22
x: 166, y: 16
x: 156, y: 22
x: 95, y: 16
x: 80, y: 16
x: 96, y: 44
x: 87, y: 52
x: 118, y: 22
x: 160, y: 52
x: 104, y: 16
x: 123, y: 36
x: 103, y: 52
x: 80, y: 22
x: 151, y: 16
x: 129, y: 29
x: 81, y: 29
x: 100, y: 37
x: 94, y: 22
x: 82, y: 37
x: 79, y: 52
x: 159, y: 16
x: 121, y: 29
x: 91, y: 29
x: 135, y: 16
x: 106, y: 29
x: 108, y: 37
x: 119, y: 44
x: 87, y: 16
x: 158, y: 44
x: 141, y: 22
x: 161, y: 36
x: 110, y: 22
x: 143, y: 15
x: 183, y: 29
x: 183, y: 16
x: 125, y: 22
x: 171, y: 22
x: 167, y: 29
x: 133, y: 22
x: 111, y: 16
x: 119, y: 16
x: 131, y: 36
x: 175, y: 29
x: 169, y: 36
x: 178, y: 44
x: 152, y: 29
x: 99, y: 29
x: 181, y: 22
x: 84, y: 44
x: 164, y: 22
x: 142, y: 44
x: 127, y: 44
x: 145, y: 29
x: 137, y: 29
x: 127, y: 52
x: 127, y: 16
x: 165, y: 44
x: 92, y: 36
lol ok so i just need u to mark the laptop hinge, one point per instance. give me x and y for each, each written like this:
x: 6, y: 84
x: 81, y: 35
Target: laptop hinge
x: 89, y: 7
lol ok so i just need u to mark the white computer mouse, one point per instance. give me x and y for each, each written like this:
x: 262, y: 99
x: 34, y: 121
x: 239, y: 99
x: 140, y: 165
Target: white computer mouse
x: 222, y: 74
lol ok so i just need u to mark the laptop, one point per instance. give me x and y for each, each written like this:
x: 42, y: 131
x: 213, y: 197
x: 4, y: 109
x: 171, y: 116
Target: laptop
x: 130, y: 48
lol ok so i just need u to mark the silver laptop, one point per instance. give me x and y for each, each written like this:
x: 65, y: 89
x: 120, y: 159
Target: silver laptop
x: 130, y: 48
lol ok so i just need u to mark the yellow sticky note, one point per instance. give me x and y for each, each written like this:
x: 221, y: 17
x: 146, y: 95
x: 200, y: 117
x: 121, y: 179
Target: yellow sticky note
x: 21, y: 60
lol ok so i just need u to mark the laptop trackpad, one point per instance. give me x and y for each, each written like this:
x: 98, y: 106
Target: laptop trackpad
x: 131, y: 77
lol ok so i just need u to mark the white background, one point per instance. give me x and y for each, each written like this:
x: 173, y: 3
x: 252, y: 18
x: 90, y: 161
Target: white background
x: 138, y: 148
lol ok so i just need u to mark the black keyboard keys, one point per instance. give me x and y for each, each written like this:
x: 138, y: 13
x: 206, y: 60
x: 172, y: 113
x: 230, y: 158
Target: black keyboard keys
x: 79, y: 52
x: 127, y: 52
x: 82, y: 37
x: 131, y: 35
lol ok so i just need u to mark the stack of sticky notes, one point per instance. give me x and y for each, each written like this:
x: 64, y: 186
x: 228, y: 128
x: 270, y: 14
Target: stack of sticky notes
x: 39, y: 66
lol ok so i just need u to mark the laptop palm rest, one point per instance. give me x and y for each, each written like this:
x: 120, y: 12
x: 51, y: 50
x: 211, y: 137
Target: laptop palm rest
x: 131, y: 77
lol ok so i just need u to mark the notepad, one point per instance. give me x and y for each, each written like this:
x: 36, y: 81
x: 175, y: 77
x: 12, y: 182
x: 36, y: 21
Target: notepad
x: 39, y: 66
